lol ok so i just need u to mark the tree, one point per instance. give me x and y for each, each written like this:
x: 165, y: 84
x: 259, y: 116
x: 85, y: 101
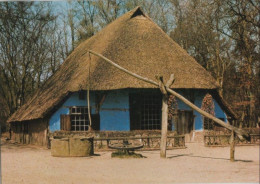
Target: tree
x: 29, y: 51
x: 197, y: 25
x: 223, y: 36
x: 243, y: 25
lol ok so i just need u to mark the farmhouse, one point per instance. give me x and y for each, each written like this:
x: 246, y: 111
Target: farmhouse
x: 118, y: 102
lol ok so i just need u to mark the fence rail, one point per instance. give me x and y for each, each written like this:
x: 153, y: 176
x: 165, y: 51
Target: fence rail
x: 149, y: 142
x: 223, y: 140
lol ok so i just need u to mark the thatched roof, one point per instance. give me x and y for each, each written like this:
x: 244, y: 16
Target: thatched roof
x: 133, y: 41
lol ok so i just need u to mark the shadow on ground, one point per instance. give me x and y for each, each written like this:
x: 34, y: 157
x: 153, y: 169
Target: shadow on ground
x: 14, y: 146
x: 191, y: 155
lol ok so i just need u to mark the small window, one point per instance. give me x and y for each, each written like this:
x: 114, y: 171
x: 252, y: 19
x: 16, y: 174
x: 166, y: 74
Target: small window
x: 79, y: 118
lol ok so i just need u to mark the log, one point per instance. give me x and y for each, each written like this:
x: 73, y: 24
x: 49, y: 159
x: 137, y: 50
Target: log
x: 241, y: 134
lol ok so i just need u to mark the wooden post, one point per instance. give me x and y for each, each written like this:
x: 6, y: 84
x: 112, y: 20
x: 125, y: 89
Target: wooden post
x: 164, y: 126
x: 88, y: 100
x: 232, y: 147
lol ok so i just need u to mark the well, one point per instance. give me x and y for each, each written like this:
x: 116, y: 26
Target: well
x: 72, y: 146
x: 81, y: 147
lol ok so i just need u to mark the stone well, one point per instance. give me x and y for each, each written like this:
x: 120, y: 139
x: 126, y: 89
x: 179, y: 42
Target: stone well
x: 72, y: 146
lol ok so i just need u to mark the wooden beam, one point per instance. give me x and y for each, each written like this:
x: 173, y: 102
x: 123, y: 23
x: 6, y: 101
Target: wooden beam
x: 88, y: 100
x: 241, y: 134
x: 123, y: 69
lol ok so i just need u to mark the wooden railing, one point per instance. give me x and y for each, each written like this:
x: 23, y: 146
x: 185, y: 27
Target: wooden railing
x: 224, y: 140
x: 149, y: 142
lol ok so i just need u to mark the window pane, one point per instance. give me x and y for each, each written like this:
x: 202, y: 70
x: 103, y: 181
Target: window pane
x: 79, y: 118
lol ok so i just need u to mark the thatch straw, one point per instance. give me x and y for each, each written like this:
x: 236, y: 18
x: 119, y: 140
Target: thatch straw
x: 132, y: 41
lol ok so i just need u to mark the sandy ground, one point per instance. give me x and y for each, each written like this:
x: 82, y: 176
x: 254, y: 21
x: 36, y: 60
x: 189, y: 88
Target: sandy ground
x: 28, y: 164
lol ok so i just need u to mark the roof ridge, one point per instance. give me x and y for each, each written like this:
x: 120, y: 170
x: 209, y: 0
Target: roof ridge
x: 136, y: 12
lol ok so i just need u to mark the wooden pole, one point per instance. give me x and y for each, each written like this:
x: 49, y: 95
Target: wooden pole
x: 241, y: 134
x: 123, y: 69
x: 88, y: 100
x: 164, y: 124
x: 164, y: 127
x: 232, y: 147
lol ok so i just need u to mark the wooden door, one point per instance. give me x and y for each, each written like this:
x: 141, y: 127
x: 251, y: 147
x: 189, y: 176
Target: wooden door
x: 185, y: 122
x: 95, y: 121
x: 65, y: 122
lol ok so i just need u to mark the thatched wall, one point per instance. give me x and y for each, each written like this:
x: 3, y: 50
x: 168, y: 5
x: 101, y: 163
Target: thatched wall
x: 30, y: 132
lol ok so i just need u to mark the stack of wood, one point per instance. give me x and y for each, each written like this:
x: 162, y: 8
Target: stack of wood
x: 208, y: 104
x: 172, y: 107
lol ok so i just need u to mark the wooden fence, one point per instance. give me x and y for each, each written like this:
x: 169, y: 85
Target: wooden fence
x: 149, y: 142
x: 224, y: 140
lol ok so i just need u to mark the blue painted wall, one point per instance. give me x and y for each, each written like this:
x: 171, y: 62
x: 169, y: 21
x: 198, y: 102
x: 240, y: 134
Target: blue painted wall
x: 114, y: 112
x: 198, y: 98
x: 198, y: 120
x: 73, y: 100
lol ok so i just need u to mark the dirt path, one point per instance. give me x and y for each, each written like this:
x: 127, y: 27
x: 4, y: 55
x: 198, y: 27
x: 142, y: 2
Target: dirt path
x: 27, y: 164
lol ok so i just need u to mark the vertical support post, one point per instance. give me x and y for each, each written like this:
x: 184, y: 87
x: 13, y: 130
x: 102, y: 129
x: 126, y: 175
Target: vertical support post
x: 164, y: 126
x: 88, y: 100
x: 107, y: 143
x: 232, y: 147
x: 148, y: 142
x: 89, y: 112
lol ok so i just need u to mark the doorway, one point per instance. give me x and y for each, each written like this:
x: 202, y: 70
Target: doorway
x: 185, y: 122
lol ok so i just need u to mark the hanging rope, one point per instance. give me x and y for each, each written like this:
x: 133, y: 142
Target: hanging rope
x: 89, y: 113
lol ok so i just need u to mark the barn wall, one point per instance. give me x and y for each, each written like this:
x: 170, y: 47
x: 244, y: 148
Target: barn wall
x: 30, y: 132
x: 197, y: 99
x: 219, y: 113
x: 114, y: 112
x: 198, y: 121
x: 73, y: 100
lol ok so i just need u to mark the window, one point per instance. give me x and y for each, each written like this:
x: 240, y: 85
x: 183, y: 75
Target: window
x: 79, y: 118
x: 145, y: 111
